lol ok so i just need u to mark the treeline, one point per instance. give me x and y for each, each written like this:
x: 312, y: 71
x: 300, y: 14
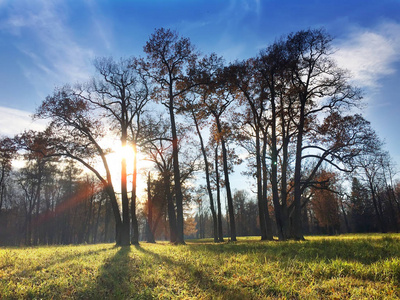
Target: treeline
x: 331, y: 210
x: 45, y: 204
x: 48, y: 203
x: 289, y: 113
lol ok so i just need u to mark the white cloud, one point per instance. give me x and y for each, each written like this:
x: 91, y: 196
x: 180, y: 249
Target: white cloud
x: 370, y: 54
x: 14, y: 121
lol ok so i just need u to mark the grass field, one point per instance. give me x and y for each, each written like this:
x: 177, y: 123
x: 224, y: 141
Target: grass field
x: 340, y: 267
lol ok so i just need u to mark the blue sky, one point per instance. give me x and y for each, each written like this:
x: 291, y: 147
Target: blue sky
x: 46, y: 43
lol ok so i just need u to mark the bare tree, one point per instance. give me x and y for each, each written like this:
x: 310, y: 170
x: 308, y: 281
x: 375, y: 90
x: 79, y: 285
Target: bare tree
x: 7, y: 153
x: 216, y: 96
x: 122, y: 93
x: 250, y: 89
x: 198, y: 113
x: 371, y: 172
x: 169, y: 59
x: 320, y: 86
x: 158, y: 147
x: 76, y: 132
x: 272, y: 65
x: 198, y: 116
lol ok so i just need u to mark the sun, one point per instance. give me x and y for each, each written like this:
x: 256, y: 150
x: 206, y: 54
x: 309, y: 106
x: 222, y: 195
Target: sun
x: 120, y: 152
x: 116, y: 152
x: 114, y: 159
x: 126, y: 152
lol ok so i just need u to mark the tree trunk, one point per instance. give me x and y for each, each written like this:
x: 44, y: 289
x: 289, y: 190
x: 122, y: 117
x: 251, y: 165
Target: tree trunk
x: 260, y: 199
x: 125, y: 228
x: 220, y: 232
x: 227, y: 184
x: 207, y: 172
x: 150, y: 227
x: 296, y: 226
x: 280, y: 221
x: 90, y: 215
x: 265, y: 190
x: 173, y: 235
x: 285, y: 158
x: 135, y: 227
x: 177, y: 176
x: 117, y: 217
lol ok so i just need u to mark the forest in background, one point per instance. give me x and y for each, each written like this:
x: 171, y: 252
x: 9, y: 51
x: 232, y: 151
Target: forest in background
x: 289, y: 114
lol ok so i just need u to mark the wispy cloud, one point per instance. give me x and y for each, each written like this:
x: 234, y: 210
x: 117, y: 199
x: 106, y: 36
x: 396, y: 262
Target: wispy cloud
x: 252, y: 6
x: 14, y: 121
x: 101, y: 24
x: 236, y: 17
x: 236, y: 10
x: 47, y: 41
x: 371, y: 54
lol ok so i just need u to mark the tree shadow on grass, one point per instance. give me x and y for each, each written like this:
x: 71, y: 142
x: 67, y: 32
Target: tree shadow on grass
x: 114, y: 279
x: 196, y: 279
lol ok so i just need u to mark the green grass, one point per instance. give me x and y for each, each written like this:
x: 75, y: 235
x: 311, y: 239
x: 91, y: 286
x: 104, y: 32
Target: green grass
x: 340, y: 267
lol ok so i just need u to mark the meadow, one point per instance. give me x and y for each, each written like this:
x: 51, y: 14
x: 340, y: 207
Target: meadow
x: 339, y: 267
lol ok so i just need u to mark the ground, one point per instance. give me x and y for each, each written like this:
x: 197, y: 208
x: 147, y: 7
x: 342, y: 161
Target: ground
x: 339, y: 267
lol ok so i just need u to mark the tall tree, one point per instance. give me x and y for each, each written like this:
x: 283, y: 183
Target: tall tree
x: 119, y: 94
x: 319, y: 86
x: 198, y: 114
x: 122, y: 92
x: 217, y: 184
x: 170, y: 57
x: 247, y: 82
x: 216, y: 96
x: 272, y: 65
x: 303, y: 86
x: 75, y: 132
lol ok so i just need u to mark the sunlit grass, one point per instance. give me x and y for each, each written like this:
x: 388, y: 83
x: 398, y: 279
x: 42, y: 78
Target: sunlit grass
x: 348, y: 266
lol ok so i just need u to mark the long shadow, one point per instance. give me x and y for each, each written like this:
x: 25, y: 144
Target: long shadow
x: 198, y: 277
x: 114, y: 279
